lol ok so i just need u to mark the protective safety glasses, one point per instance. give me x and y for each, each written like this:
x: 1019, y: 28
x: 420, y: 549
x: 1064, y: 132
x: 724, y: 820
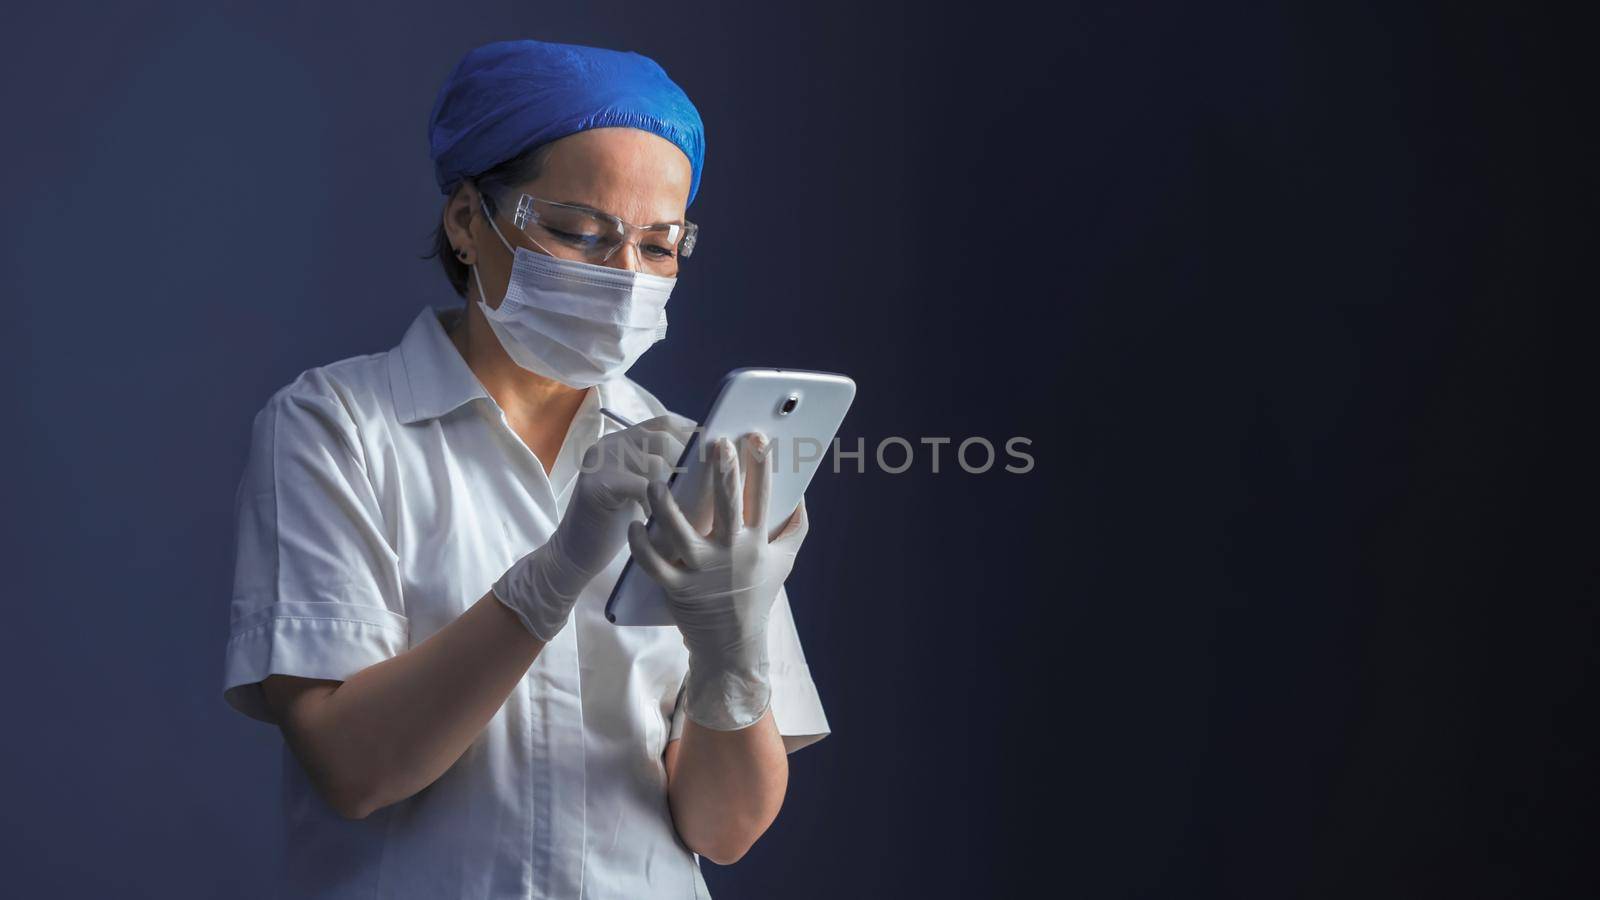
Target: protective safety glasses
x: 596, y: 236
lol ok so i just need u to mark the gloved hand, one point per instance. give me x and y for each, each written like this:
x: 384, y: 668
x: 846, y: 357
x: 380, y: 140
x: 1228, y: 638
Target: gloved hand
x: 720, y: 586
x: 542, y: 586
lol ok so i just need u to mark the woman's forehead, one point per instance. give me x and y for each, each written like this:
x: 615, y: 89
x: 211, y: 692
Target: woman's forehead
x: 632, y: 174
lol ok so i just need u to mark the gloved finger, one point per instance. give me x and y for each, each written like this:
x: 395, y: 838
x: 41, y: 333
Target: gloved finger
x: 658, y: 470
x: 794, y: 531
x: 650, y: 559
x: 592, y: 456
x: 618, y: 489
x: 665, y: 443
x: 676, y: 537
x: 675, y: 447
x: 639, y: 448
x: 678, y: 426
x: 614, y: 451
x: 683, y: 427
x: 757, y: 479
x: 727, y: 503
x: 699, y: 510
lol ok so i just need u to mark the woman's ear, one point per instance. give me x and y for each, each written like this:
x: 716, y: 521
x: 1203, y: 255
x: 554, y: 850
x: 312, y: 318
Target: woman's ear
x: 458, y: 216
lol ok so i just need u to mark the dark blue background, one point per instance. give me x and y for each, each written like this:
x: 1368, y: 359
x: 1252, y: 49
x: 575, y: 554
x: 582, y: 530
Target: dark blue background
x: 1278, y: 613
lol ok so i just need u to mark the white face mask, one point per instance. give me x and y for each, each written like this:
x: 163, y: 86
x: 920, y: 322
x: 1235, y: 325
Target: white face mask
x: 576, y: 322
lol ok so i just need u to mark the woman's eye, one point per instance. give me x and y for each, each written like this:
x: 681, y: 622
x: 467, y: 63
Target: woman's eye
x: 570, y: 238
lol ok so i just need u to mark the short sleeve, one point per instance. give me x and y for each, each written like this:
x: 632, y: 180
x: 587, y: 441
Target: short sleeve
x: 316, y: 588
x: 796, y: 707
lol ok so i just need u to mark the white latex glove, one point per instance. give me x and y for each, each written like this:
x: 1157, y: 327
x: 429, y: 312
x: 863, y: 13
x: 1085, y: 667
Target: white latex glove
x: 542, y: 586
x: 720, y: 585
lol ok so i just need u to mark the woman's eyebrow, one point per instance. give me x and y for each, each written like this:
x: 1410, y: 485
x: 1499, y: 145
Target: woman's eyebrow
x: 677, y: 221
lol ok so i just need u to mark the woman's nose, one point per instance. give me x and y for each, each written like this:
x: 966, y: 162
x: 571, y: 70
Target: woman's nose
x: 625, y: 256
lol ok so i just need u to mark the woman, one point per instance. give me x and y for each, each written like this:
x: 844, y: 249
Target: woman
x: 427, y: 538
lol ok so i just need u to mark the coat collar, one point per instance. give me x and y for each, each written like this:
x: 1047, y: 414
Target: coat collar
x: 426, y: 372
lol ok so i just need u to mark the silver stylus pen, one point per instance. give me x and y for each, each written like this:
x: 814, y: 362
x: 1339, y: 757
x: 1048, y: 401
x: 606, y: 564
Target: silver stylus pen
x: 615, y: 418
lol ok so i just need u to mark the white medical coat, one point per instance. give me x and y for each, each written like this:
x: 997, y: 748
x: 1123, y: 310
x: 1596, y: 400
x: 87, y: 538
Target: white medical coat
x: 383, y: 495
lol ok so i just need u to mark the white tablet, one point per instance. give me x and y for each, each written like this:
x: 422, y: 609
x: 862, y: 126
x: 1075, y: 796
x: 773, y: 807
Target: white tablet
x: 798, y: 411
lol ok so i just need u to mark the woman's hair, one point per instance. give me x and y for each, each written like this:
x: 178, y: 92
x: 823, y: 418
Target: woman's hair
x: 494, y: 185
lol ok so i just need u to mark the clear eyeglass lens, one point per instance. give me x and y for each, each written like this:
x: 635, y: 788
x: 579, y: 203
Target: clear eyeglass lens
x: 595, y: 238
x: 577, y: 228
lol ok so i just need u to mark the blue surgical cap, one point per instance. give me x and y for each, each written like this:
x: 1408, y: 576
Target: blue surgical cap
x: 508, y: 97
